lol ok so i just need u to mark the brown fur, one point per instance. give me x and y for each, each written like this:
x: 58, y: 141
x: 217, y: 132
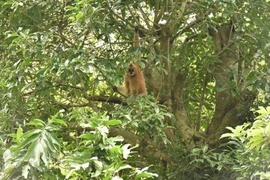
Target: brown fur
x: 134, y: 83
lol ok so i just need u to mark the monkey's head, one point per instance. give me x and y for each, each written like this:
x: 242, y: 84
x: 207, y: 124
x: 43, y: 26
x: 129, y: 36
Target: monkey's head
x: 132, y: 69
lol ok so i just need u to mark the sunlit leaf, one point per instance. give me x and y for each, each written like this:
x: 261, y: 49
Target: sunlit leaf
x: 255, y: 142
x: 25, y: 171
x: 79, y: 15
x: 60, y: 122
x: 87, y: 136
x: 19, y: 133
x: 117, y: 139
x: 29, y: 140
x: 124, y: 167
x: 52, y: 142
x: 37, y: 123
x: 117, y: 178
x: 113, y: 122
x: 226, y: 135
x: 144, y: 174
x: 126, y: 151
x: 98, y: 166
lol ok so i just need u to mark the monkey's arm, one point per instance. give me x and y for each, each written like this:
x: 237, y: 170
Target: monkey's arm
x: 123, y: 90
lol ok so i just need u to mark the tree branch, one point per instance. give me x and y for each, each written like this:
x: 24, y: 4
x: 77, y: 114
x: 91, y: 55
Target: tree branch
x: 129, y: 137
x: 144, y: 16
x: 180, y: 14
x: 197, y: 21
x: 108, y: 99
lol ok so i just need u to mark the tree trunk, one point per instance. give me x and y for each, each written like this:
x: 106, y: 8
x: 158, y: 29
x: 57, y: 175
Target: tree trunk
x: 230, y: 109
x: 168, y: 89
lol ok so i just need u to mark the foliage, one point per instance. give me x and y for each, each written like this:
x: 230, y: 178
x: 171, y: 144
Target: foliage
x: 59, y: 115
x: 252, y: 145
x: 39, y: 153
x: 32, y: 150
x: 201, y: 163
x: 204, y: 157
x: 245, y: 156
x: 144, y: 116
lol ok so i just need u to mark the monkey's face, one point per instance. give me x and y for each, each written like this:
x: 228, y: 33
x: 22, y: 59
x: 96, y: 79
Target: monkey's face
x: 131, y: 69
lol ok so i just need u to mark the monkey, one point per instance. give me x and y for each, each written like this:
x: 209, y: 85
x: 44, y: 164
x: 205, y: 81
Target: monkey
x: 134, y: 83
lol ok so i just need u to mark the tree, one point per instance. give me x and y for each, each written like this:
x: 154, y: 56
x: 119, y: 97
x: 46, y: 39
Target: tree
x: 204, y: 62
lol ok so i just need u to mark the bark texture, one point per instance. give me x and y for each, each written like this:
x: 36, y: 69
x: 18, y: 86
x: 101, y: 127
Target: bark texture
x: 230, y: 110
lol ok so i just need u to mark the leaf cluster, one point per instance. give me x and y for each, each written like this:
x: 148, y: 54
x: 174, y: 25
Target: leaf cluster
x: 252, y: 146
x: 144, y: 117
x: 44, y: 151
x: 245, y: 154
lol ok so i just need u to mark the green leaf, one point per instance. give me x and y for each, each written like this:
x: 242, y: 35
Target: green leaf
x: 226, y: 135
x: 19, y: 133
x: 31, y: 133
x: 256, y: 132
x: 96, y: 82
x: 205, y: 148
x: 113, y: 122
x: 85, y: 165
x: 255, y: 142
x: 29, y: 140
x: 25, y: 171
x: 251, y: 78
x: 52, y: 142
x: 157, y: 110
x: 30, y: 154
x: 141, y: 174
x: 103, y: 130
x: 88, y: 136
x: 59, y: 121
x: 117, y: 139
x: 13, y: 35
x: 44, y: 153
x: 124, y: 167
x: 262, y: 111
x: 234, y: 92
x: 98, y: 166
x: 37, y: 123
x: 25, y: 87
x: 79, y: 15
x: 126, y: 151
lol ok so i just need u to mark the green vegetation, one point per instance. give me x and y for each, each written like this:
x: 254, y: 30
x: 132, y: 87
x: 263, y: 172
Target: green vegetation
x: 207, y: 71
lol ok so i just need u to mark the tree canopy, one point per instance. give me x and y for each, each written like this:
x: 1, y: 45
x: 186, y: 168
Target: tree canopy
x: 207, y: 72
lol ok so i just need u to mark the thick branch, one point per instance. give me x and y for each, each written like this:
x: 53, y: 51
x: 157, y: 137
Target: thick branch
x: 109, y: 99
x: 232, y: 118
x: 129, y: 137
